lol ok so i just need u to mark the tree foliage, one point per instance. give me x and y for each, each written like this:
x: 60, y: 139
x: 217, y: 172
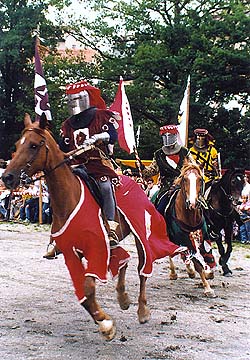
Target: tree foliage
x: 157, y: 44
x: 19, y: 21
x: 154, y: 45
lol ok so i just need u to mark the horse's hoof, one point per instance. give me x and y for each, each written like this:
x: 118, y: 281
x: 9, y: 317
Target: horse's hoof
x: 210, y: 293
x: 191, y: 275
x: 209, y: 275
x: 107, y: 329
x: 144, y: 315
x: 50, y: 255
x: 173, y: 276
x: 124, y: 301
x: 228, y: 274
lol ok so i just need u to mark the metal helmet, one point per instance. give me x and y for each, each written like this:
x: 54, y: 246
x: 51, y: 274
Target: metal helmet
x: 200, y: 138
x: 169, y: 135
x: 78, y: 102
x: 81, y: 96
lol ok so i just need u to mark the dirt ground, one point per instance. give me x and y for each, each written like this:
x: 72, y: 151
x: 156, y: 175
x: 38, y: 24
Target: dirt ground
x: 41, y: 318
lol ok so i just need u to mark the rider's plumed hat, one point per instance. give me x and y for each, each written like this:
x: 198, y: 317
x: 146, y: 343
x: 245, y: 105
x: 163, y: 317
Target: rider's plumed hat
x: 169, y: 129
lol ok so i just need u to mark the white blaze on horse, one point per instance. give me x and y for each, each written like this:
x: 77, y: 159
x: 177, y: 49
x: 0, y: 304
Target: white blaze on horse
x: 186, y: 225
x: 79, y: 229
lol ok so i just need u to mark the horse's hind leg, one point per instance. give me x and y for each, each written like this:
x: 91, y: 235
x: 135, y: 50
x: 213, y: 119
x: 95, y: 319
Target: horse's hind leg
x: 172, y: 275
x: 122, y: 295
x: 190, y: 269
x: 224, y: 255
x: 207, y: 288
x: 143, y: 310
x: 106, y: 324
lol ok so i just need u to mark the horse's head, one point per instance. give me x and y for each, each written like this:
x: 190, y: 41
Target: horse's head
x: 192, y: 185
x: 232, y: 183
x: 31, y: 153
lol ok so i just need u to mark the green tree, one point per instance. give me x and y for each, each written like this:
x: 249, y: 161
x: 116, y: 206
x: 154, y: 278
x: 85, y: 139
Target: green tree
x: 19, y: 20
x: 157, y: 44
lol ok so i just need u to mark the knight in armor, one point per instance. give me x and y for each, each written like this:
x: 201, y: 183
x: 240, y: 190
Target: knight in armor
x: 91, y: 123
x: 167, y: 162
x: 205, y: 154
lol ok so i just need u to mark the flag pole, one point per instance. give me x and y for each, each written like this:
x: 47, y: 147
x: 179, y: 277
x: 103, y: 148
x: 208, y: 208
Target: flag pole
x: 40, y: 217
x: 187, y: 114
x: 137, y: 157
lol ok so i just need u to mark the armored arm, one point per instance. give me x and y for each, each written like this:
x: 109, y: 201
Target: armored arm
x: 102, y: 137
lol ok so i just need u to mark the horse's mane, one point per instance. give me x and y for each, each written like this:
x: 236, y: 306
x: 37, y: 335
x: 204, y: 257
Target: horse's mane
x: 186, y: 167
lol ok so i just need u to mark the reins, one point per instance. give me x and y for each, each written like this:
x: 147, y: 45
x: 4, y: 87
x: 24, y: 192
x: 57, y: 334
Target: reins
x: 69, y: 157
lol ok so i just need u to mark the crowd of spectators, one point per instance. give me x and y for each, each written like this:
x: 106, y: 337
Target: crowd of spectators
x: 25, y: 203
x: 31, y: 203
x: 244, y: 210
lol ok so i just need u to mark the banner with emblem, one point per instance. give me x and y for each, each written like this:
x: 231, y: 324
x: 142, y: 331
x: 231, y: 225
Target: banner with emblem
x: 41, y: 92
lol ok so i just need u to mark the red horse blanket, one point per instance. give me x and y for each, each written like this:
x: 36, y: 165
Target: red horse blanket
x: 84, y: 232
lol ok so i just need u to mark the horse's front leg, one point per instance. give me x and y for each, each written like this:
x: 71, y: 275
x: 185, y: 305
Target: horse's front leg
x: 172, y: 275
x: 207, y: 288
x: 106, y: 324
x: 143, y: 310
x: 229, y: 248
x: 190, y: 269
x: 225, y: 254
x: 122, y: 295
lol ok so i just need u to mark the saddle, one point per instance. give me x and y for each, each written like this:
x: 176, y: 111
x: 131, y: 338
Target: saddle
x: 166, y: 197
x: 91, y: 184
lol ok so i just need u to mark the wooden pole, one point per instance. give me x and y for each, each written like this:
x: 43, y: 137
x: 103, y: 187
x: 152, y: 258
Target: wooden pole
x: 187, y: 113
x: 138, y: 159
x: 40, y: 202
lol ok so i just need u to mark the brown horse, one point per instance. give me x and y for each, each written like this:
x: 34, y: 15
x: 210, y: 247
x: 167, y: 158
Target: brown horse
x: 37, y: 151
x: 78, y: 228
x: 186, y: 225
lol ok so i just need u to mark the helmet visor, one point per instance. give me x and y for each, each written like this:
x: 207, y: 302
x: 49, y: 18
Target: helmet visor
x: 169, y: 139
x: 78, y: 102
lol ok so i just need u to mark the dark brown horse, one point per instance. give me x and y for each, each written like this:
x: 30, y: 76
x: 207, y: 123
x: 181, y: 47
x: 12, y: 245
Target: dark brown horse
x: 37, y: 151
x: 186, y: 224
x: 222, y: 197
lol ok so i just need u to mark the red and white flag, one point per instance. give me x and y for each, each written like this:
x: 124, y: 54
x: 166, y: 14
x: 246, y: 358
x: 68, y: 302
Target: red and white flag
x: 183, y: 117
x: 41, y: 93
x: 126, y: 136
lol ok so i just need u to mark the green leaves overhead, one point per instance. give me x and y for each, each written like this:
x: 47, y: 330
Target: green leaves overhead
x: 153, y: 44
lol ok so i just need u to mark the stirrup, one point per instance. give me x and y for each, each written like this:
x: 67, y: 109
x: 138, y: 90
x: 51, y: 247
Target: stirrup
x: 214, y: 236
x: 113, y: 239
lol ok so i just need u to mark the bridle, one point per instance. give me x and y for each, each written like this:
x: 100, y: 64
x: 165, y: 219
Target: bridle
x: 228, y: 196
x: 24, y: 178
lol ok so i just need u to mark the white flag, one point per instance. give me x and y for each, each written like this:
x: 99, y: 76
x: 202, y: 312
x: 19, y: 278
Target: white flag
x: 183, y: 116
